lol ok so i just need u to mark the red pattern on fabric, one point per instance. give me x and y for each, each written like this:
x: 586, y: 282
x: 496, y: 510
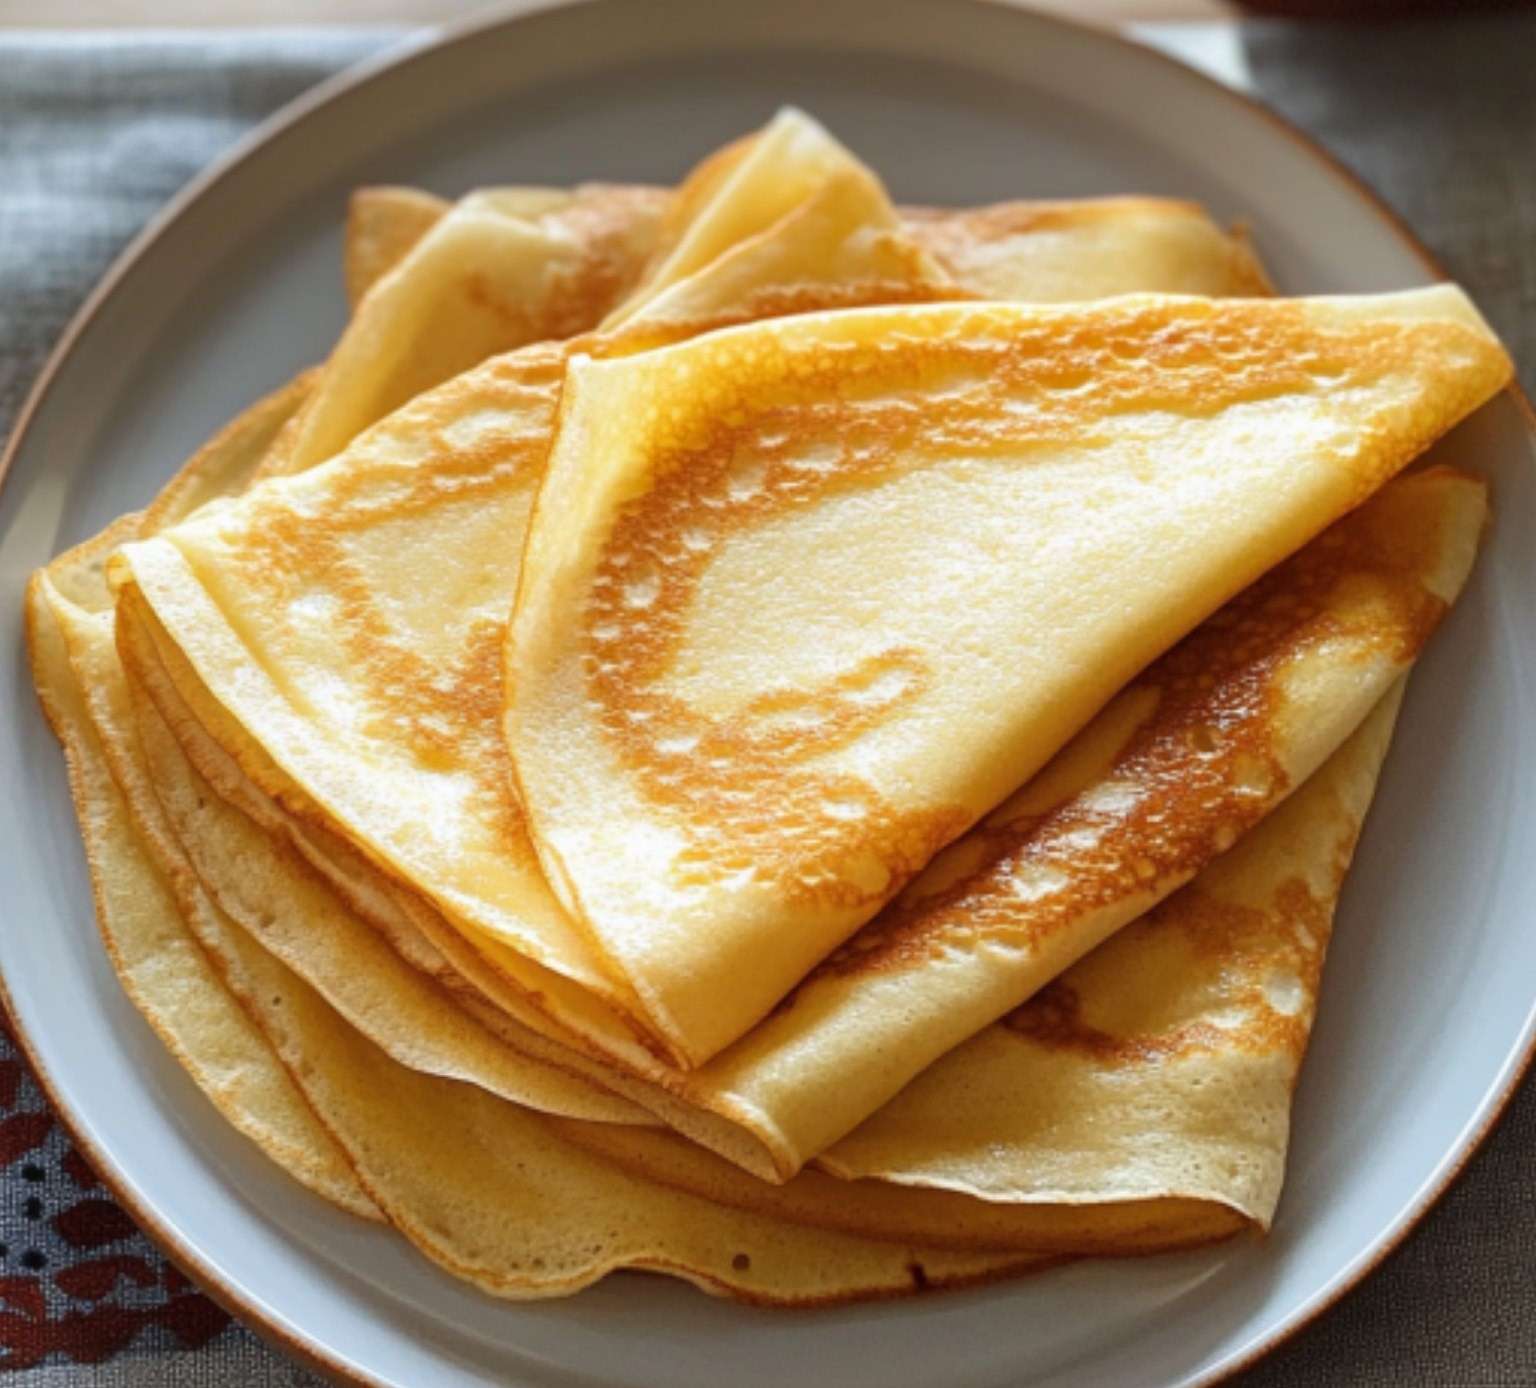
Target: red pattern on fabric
x: 64, y: 1294
x: 92, y: 1223
x: 96, y: 1278
x: 79, y: 1171
x: 21, y: 1133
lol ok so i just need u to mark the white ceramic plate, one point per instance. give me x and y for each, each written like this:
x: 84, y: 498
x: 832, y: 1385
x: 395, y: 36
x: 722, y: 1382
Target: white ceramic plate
x: 1427, y: 1009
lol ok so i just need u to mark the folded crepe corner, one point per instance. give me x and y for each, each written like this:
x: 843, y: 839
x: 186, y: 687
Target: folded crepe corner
x: 882, y: 464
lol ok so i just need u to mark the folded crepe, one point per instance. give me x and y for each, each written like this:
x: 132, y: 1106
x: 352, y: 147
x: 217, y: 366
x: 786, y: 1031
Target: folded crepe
x: 979, y: 521
x: 404, y: 728
x: 389, y: 620
x: 479, y: 1183
x: 1356, y: 608
x: 488, y: 1204
x: 491, y: 1195
x: 1152, y: 1080
x: 1183, y: 763
x: 1053, y: 251
x: 378, y: 649
x: 1094, y: 248
x: 473, y: 1181
x: 501, y: 268
x: 170, y: 980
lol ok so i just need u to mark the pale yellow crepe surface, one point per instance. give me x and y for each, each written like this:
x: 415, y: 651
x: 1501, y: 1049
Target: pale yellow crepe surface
x: 496, y: 271
x: 977, y: 522
x: 365, y: 697
x: 1140, y: 1101
x: 1164, y: 1062
x: 1095, y: 248
x: 164, y: 972
x: 492, y: 1194
x: 1061, y: 250
x: 1194, y: 753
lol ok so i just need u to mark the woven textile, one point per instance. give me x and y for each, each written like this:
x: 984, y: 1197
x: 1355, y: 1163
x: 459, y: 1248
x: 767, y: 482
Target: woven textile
x: 97, y: 131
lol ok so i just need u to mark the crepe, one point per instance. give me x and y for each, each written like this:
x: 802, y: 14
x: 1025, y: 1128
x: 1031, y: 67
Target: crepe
x: 957, y: 505
x: 169, y: 979
x: 1355, y: 607
x: 364, y: 700
x: 192, y: 837
x: 1054, y: 251
x: 494, y: 1195
x: 1095, y: 248
x: 298, y: 796
x: 475, y: 1182
x: 383, y: 223
x: 1182, y: 764
x: 339, y: 503
x: 501, y: 268
x: 1153, y: 1078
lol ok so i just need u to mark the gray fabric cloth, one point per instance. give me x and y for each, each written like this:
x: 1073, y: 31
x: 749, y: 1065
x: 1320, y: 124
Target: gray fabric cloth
x: 96, y: 131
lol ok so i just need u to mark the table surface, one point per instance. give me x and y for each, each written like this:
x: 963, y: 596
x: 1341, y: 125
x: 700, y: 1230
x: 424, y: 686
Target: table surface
x: 99, y: 130
x: 102, y: 14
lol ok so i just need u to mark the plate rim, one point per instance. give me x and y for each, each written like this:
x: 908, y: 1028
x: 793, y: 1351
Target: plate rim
x: 410, y: 47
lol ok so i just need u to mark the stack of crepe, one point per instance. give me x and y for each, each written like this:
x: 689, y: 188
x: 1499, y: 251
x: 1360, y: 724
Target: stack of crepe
x: 754, y: 733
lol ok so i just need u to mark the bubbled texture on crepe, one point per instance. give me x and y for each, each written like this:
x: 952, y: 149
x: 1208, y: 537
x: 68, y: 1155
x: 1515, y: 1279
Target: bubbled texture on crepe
x: 308, y: 611
x: 1164, y: 1062
x: 1176, y: 769
x: 882, y: 465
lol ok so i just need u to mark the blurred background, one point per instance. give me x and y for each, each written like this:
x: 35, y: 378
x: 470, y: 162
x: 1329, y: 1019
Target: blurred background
x: 200, y: 14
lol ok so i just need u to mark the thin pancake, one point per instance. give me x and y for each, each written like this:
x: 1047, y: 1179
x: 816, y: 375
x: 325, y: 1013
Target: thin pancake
x: 383, y: 224
x: 193, y: 837
x: 163, y: 971
x: 1189, y: 1025
x: 1138, y: 1102
x: 1263, y: 692
x: 1037, y: 251
x: 1064, y: 252
x: 485, y: 278
x: 297, y: 630
x: 492, y: 1194
x: 882, y: 464
x: 1194, y: 753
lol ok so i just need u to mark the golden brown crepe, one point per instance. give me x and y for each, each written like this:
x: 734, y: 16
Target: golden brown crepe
x: 383, y: 223
x: 979, y: 521
x: 298, y: 797
x: 346, y: 536
x: 474, y: 1181
x: 1038, y: 251
x: 166, y: 975
x: 1152, y: 1080
x: 495, y: 1196
x: 500, y: 269
x: 382, y: 726
x: 1188, y: 758
x: 199, y: 980
x: 1355, y: 608
x: 1095, y: 248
